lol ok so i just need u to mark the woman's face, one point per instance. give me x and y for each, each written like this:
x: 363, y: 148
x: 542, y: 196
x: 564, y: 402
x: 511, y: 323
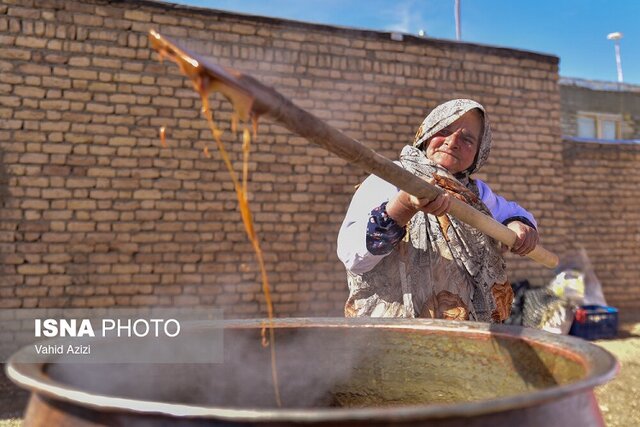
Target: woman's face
x: 455, y: 146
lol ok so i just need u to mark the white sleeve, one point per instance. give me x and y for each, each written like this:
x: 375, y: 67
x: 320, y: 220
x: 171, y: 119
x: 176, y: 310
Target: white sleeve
x: 500, y: 208
x: 352, y: 242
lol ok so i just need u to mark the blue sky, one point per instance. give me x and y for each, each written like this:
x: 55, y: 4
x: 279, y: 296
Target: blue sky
x: 574, y: 30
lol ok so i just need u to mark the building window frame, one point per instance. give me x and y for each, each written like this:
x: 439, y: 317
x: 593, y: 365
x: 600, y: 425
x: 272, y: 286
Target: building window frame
x: 598, y: 120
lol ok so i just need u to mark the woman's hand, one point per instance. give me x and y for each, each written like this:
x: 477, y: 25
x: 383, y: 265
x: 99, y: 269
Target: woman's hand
x: 404, y: 206
x: 526, y: 238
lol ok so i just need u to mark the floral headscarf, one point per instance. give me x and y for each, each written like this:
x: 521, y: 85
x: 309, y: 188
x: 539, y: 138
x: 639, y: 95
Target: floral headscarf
x: 445, y: 114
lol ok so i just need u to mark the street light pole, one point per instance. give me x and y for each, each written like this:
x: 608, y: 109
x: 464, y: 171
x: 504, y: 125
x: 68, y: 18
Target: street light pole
x: 616, y: 38
x: 457, y: 12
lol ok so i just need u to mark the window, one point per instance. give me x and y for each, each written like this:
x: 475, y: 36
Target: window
x: 609, y: 128
x: 599, y: 125
x: 586, y: 127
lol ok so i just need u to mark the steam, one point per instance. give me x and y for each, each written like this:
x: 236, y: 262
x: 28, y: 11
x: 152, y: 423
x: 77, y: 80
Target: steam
x: 312, y: 364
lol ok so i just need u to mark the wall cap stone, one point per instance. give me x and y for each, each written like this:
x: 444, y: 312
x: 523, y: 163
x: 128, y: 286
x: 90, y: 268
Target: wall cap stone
x: 599, y: 85
x: 601, y: 141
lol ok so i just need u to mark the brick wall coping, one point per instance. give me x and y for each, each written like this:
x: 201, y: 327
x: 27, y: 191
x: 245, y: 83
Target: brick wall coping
x: 602, y: 141
x: 349, y: 31
x: 599, y: 85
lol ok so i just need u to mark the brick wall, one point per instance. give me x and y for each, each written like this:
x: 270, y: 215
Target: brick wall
x: 96, y: 213
x: 601, y: 187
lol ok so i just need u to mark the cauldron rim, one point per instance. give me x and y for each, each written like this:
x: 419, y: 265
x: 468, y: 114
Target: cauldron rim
x: 600, y: 365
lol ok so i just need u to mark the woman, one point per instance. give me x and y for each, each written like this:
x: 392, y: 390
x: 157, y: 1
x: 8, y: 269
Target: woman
x: 406, y: 257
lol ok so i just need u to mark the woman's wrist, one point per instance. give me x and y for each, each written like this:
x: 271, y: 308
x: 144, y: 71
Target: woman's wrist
x: 521, y: 219
x: 400, y: 209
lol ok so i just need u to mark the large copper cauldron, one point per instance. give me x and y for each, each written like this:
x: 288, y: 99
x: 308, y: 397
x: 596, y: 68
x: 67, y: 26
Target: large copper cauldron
x: 374, y: 372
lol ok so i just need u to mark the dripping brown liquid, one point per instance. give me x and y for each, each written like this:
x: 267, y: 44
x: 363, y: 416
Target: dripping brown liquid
x: 204, y: 84
x: 163, y: 136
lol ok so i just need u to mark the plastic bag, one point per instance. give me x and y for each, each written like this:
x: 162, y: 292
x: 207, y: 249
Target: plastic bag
x: 569, y: 285
x: 581, y: 285
x: 552, y: 307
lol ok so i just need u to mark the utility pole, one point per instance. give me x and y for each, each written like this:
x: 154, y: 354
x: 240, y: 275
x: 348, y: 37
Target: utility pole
x: 458, y: 29
x: 616, y: 38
